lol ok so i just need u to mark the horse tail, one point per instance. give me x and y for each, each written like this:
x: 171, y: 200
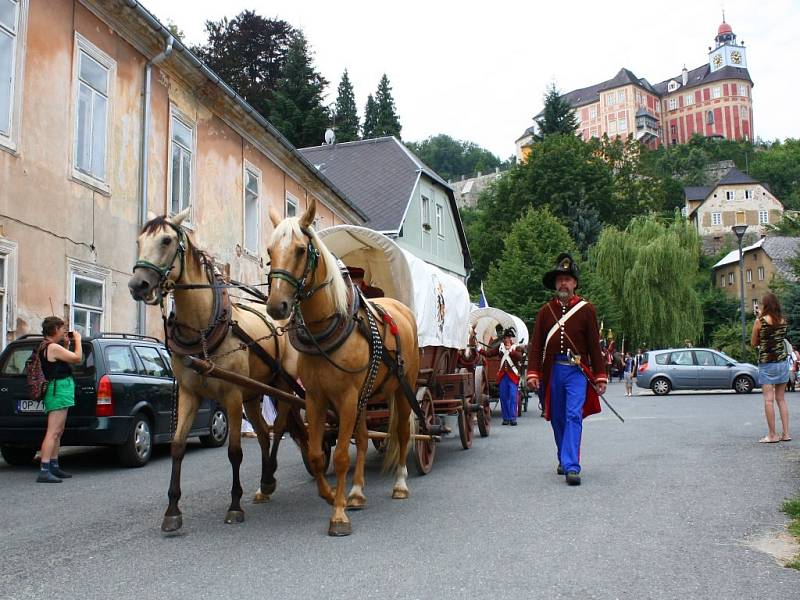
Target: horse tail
x: 391, y: 457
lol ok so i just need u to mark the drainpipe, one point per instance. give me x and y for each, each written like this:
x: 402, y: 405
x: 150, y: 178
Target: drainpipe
x: 141, y: 317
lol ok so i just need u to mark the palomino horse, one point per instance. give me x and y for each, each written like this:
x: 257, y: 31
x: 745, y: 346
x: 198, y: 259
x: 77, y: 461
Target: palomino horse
x: 217, y: 329
x: 306, y: 284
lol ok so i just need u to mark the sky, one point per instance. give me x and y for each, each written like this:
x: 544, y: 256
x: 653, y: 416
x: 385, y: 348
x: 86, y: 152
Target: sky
x: 477, y: 71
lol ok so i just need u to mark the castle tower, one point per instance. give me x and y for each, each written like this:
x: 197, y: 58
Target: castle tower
x: 727, y: 52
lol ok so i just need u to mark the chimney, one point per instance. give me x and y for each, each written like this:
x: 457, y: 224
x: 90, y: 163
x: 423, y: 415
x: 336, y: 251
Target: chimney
x: 685, y: 75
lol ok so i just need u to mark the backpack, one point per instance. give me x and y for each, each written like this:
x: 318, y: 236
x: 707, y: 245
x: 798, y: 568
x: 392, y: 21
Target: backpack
x: 37, y: 382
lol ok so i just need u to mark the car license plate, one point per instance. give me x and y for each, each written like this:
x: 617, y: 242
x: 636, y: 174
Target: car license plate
x: 30, y: 406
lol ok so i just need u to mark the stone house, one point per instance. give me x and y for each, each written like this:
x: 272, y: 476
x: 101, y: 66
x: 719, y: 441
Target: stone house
x: 88, y: 81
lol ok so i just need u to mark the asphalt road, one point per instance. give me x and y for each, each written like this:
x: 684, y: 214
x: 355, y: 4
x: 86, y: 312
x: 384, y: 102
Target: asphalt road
x: 670, y: 504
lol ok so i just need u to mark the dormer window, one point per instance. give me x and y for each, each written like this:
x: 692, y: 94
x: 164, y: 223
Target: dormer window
x: 672, y: 86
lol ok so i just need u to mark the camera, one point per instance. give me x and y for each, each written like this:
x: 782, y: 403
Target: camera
x: 71, y: 335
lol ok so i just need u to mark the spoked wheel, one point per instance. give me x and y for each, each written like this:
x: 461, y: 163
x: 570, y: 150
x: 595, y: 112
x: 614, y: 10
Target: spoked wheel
x: 326, y: 451
x: 484, y: 414
x: 424, y: 450
x: 465, y: 423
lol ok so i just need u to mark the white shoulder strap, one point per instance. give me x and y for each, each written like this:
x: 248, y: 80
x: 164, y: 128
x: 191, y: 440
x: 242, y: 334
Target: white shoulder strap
x: 557, y: 325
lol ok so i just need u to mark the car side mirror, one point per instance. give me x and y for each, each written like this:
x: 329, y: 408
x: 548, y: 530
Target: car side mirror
x: 729, y: 365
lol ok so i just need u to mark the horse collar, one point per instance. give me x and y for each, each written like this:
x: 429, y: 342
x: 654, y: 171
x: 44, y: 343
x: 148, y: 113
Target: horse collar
x: 212, y: 336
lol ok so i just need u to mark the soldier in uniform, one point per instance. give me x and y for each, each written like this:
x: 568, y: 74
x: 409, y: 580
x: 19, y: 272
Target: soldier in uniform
x: 508, y: 374
x: 564, y: 351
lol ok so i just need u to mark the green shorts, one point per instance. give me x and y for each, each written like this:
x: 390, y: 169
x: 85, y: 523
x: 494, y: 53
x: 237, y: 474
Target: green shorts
x: 60, y: 394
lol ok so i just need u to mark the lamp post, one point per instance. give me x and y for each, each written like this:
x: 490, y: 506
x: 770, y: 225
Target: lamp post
x: 739, y: 231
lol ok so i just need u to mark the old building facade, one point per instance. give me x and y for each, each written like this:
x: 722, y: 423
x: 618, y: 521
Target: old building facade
x: 88, y: 81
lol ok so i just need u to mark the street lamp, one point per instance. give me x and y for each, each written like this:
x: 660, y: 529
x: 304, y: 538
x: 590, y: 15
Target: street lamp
x: 739, y: 231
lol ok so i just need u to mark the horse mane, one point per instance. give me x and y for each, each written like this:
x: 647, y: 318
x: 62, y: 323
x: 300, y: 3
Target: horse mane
x: 337, y: 290
x: 155, y: 224
x: 160, y: 222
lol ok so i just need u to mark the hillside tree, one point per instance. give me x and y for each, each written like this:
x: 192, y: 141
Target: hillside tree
x: 345, y: 111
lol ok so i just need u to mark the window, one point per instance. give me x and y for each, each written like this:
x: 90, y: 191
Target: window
x: 8, y: 278
x: 183, y: 134
x: 730, y: 195
x: 730, y: 278
x: 3, y: 300
x: 684, y: 357
x: 609, y: 99
x: 119, y: 360
x: 716, y: 92
x: 748, y: 275
x: 152, y: 361
x: 440, y: 220
x: 742, y: 90
x: 704, y: 358
x: 662, y: 359
x: 672, y: 86
x: 672, y: 103
x: 760, y: 273
x: 11, y: 12
x: 593, y: 112
x: 252, y: 193
x: 673, y: 129
x: 291, y: 206
x: 748, y: 194
x: 622, y: 125
x: 763, y: 217
x: 709, y: 117
x: 722, y: 281
x: 426, y: 214
x: 719, y: 360
x: 688, y: 99
x: 94, y: 72
x: 87, y: 304
x: 612, y: 126
x: 744, y: 112
x: 716, y: 218
x: 621, y: 97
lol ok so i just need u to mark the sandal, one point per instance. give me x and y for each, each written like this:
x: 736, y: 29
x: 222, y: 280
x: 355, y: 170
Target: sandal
x: 766, y: 440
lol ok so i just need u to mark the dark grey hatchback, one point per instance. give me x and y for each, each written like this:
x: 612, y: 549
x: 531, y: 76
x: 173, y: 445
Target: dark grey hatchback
x: 123, y: 398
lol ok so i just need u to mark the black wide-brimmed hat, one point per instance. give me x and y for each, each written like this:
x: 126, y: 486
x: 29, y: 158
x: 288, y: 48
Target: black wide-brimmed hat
x: 510, y: 332
x: 565, y: 265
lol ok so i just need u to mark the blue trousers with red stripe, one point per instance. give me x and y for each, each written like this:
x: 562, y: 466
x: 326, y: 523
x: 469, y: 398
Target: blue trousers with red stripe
x: 508, y: 398
x: 567, y: 396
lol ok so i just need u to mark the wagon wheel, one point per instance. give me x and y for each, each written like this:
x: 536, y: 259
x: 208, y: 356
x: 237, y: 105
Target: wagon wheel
x: 326, y: 450
x: 484, y: 413
x: 424, y: 450
x: 465, y: 423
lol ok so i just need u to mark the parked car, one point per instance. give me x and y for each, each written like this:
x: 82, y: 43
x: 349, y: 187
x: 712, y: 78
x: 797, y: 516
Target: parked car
x: 694, y: 369
x: 123, y: 398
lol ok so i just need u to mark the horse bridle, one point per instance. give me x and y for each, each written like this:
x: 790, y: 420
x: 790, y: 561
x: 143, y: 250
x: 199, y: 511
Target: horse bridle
x: 162, y: 285
x: 310, y: 269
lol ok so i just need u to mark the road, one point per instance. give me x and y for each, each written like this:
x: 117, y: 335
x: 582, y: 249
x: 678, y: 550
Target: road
x: 672, y: 505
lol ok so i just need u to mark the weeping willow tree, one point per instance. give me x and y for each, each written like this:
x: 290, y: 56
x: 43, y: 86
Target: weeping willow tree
x: 651, y: 267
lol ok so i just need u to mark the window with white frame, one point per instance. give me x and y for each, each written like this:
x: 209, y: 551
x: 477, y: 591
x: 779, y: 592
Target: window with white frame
x: 748, y: 194
x: 440, y: 220
x: 87, y: 304
x: 672, y: 86
x: 688, y: 99
x: 426, y: 214
x: 612, y: 126
x: 744, y: 112
x: 710, y: 117
x: 609, y: 99
x: 763, y: 217
x: 291, y: 206
x: 672, y: 103
x: 742, y: 90
x: 760, y: 272
x: 94, y: 72
x: 8, y: 267
x: 722, y: 281
x: 657, y: 106
x: 3, y: 300
x: 716, y: 92
x: 748, y: 275
x: 730, y: 195
x: 730, y: 278
x: 182, y: 167
x: 622, y: 125
x: 716, y: 218
x: 621, y: 97
x: 10, y: 20
x: 592, y: 112
x: 252, y: 208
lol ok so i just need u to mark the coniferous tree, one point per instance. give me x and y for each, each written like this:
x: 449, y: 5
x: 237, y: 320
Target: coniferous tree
x: 387, y: 121
x: 558, y: 115
x: 299, y: 112
x: 347, y: 123
x: 370, y: 119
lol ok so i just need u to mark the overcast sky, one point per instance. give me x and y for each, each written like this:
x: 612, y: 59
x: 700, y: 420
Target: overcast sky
x: 477, y: 70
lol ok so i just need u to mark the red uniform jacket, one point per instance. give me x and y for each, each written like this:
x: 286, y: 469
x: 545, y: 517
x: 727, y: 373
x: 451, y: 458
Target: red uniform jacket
x: 505, y: 370
x: 581, y: 335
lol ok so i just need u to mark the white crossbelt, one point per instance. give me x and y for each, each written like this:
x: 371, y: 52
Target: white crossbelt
x: 506, y: 352
x: 560, y: 323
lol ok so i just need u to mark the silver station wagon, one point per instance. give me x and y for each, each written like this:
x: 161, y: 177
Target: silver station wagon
x: 694, y: 369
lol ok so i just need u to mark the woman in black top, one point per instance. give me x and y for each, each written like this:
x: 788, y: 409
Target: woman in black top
x: 60, y: 395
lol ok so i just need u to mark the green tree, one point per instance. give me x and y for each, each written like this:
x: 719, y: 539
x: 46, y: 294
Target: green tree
x: 298, y: 110
x: 347, y: 123
x: 789, y: 226
x: 248, y: 52
x: 370, y: 119
x: 453, y: 158
x: 386, y: 122
x: 778, y: 165
x: 558, y: 115
x: 651, y: 267
x: 727, y: 338
x: 514, y: 283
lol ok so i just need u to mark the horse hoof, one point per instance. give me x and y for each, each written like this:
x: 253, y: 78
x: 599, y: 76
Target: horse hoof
x: 339, y: 529
x: 234, y: 516
x: 268, y: 488
x: 356, y: 502
x: 172, y: 523
x: 260, y: 498
x: 398, y: 494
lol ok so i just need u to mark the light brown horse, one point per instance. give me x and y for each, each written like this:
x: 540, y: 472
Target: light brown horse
x: 168, y: 258
x: 306, y: 282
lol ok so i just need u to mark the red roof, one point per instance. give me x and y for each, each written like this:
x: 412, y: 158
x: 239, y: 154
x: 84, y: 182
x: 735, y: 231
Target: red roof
x: 724, y: 28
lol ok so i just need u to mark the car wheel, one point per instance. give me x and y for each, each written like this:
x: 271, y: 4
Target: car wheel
x: 660, y: 386
x: 743, y: 384
x: 19, y: 457
x: 138, y: 448
x: 218, y: 427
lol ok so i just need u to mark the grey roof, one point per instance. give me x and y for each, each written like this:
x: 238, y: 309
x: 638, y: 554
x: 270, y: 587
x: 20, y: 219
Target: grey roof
x: 643, y: 112
x: 379, y: 176
x: 734, y: 176
x: 702, y: 75
x: 782, y: 250
x: 697, y: 192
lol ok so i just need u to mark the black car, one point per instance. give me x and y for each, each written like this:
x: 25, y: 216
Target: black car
x: 123, y: 398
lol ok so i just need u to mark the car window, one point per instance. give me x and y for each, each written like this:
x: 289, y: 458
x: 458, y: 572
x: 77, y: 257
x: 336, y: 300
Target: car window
x: 662, y: 359
x: 167, y: 358
x: 681, y: 358
x: 14, y: 363
x: 704, y: 358
x: 721, y: 361
x: 153, y: 363
x: 119, y: 359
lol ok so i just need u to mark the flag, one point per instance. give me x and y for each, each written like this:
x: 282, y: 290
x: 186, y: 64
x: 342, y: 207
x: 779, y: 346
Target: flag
x: 482, y: 302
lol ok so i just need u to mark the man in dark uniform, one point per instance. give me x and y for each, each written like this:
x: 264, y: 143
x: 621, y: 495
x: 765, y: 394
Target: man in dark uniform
x: 565, y: 342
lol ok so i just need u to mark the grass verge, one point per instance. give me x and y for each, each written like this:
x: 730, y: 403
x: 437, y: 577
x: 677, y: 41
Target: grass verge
x: 792, y: 508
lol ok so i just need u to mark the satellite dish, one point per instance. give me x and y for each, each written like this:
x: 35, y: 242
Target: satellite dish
x: 330, y: 136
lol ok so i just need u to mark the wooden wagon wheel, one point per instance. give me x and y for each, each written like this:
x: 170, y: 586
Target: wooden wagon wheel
x: 484, y: 413
x: 326, y: 450
x: 424, y: 450
x: 465, y: 423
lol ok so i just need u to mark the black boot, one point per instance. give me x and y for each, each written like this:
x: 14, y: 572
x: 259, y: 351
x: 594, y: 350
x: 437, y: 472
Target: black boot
x: 45, y: 476
x: 560, y: 469
x: 55, y: 469
x: 573, y: 478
